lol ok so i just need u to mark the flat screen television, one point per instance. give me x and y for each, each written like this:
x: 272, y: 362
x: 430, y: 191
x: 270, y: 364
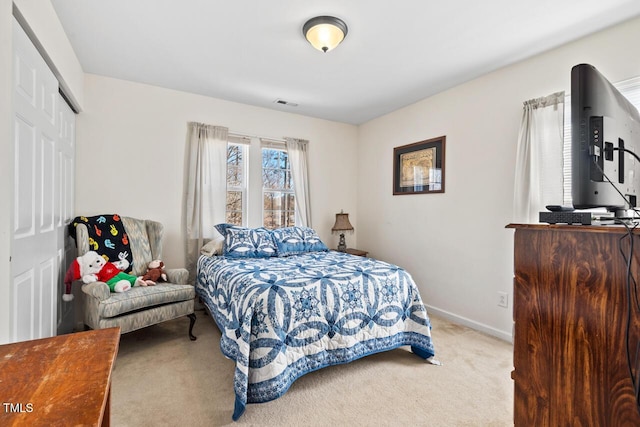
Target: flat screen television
x: 605, y: 131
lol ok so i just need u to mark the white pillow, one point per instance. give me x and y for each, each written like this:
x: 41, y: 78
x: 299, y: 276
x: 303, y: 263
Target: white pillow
x: 214, y: 246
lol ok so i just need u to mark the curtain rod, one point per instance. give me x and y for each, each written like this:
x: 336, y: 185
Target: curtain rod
x: 244, y: 135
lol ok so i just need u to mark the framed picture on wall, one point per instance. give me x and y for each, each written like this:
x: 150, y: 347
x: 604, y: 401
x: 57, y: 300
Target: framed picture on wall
x: 418, y: 168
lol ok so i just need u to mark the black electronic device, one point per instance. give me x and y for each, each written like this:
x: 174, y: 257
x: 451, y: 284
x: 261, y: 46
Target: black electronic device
x: 577, y: 217
x: 604, y: 124
x: 559, y: 217
x: 559, y: 208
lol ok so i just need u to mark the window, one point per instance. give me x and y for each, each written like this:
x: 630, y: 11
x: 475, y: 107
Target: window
x: 266, y: 198
x: 277, y: 189
x: 236, y: 184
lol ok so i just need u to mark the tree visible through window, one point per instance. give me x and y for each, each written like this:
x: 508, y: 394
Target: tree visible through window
x: 277, y: 189
x: 243, y: 195
x: 236, y: 188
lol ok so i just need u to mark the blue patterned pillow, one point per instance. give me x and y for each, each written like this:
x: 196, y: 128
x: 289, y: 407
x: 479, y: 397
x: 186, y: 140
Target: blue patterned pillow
x: 241, y: 242
x: 222, y: 228
x: 297, y: 240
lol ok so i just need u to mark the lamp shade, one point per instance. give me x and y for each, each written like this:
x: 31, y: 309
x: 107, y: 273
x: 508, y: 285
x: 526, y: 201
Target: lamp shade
x: 325, y: 32
x: 342, y: 223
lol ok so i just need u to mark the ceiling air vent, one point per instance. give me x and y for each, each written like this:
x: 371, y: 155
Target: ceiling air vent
x: 283, y: 102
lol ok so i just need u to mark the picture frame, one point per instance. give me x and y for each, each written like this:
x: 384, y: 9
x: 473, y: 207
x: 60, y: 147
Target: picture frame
x: 418, y: 168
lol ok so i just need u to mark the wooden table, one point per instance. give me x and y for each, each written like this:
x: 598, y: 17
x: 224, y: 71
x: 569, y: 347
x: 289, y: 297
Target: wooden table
x: 357, y: 252
x: 58, y: 381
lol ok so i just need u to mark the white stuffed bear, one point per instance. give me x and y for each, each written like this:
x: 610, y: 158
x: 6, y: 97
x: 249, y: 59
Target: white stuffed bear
x: 92, y: 267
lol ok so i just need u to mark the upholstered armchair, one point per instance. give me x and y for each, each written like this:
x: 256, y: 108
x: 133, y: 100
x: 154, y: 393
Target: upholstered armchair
x: 140, y: 306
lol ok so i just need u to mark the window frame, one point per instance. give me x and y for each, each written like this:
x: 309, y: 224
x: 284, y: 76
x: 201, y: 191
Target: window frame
x: 252, y: 189
x: 288, y: 215
x: 244, y: 187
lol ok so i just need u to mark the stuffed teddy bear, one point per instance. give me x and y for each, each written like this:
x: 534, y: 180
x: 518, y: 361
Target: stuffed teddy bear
x: 155, y: 272
x: 92, y: 267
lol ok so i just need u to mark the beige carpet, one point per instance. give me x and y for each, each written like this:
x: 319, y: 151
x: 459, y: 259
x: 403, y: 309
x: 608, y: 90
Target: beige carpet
x: 163, y: 379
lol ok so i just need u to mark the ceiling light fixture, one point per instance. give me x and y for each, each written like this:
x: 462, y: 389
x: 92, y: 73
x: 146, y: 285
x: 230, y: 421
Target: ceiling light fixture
x: 325, y: 32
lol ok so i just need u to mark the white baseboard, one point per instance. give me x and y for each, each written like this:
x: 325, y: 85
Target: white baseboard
x: 505, y: 336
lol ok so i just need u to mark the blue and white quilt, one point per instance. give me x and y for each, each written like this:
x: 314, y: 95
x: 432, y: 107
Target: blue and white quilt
x: 282, y: 317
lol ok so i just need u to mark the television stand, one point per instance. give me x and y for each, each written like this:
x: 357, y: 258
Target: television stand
x: 570, y: 312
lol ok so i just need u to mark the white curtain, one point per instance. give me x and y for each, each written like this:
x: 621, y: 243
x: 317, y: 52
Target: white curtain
x: 298, y: 152
x: 206, y: 186
x: 539, y: 165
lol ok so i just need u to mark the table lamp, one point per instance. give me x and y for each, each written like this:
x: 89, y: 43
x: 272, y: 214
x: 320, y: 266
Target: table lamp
x: 342, y: 224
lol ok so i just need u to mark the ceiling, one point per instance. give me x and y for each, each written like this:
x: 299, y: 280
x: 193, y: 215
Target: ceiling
x: 253, y: 51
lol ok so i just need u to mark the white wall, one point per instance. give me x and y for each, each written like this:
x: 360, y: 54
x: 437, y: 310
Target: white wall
x: 131, y: 148
x: 455, y: 244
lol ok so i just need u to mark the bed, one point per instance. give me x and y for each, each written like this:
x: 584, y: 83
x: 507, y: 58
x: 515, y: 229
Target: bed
x: 287, y: 306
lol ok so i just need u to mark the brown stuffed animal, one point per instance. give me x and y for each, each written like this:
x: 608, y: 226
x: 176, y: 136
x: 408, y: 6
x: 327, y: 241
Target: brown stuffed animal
x: 155, y: 272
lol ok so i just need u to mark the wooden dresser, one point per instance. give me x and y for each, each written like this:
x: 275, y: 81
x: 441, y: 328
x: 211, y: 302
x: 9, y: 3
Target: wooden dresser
x: 58, y: 381
x: 570, y: 312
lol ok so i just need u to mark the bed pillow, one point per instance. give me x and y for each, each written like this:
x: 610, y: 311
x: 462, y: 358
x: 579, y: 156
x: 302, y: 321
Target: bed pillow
x: 297, y: 240
x: 213, y: 246
x: 222, y: 228
x: 242, y: 242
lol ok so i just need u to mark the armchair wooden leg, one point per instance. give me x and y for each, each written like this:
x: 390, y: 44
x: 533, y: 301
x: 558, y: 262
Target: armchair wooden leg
x: 192, y: 318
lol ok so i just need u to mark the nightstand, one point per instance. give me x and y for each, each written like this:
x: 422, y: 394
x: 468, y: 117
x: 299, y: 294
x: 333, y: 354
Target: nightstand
x: 357, y: 252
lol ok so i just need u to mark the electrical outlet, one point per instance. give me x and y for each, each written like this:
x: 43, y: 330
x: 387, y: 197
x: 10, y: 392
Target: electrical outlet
x: 503, y: 299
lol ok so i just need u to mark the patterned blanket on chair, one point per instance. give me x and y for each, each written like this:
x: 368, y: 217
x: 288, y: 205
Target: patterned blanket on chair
x: 107, y: 236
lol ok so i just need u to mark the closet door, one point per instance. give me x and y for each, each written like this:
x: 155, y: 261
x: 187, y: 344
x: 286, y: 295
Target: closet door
x: 65, y: 176
x: 34, y: 263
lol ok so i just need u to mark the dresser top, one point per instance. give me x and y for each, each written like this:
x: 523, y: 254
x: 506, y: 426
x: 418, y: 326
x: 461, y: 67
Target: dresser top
x: 613, y: 228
